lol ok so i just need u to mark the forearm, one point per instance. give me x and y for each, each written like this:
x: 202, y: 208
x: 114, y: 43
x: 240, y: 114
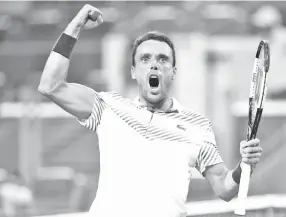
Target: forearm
x: 56, y: 68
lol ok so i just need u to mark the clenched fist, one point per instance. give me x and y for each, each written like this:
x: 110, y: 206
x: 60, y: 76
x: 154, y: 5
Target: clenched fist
x: 88, y: 17
x: 250, y: 152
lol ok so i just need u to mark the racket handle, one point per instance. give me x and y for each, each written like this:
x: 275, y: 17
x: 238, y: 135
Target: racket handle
x: 240, y: 208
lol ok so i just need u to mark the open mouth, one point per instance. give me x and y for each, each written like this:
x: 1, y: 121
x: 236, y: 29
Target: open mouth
x: 154, y: 81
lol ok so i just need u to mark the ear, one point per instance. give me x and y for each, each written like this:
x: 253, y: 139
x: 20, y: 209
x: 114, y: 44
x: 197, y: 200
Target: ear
x: 133, y: 73
x: 174, y: 73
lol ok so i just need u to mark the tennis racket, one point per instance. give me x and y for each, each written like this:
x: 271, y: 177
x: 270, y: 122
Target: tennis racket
x: 257, y: 96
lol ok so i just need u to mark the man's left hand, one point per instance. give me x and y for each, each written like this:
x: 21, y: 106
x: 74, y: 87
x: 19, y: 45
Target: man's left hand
x: 250, y: 152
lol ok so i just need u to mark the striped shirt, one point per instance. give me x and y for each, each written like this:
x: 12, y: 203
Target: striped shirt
x: 146, y: 157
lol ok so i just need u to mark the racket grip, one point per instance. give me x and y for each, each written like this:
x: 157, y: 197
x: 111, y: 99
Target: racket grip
x: 240, y: 208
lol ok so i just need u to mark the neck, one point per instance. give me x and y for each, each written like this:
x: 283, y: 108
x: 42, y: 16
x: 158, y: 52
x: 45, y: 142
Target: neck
x: 164, y: 105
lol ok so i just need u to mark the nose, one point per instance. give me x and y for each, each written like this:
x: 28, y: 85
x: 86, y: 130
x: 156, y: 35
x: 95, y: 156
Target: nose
x: 154, y: 66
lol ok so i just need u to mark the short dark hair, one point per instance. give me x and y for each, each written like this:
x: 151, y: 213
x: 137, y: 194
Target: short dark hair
x: 153, y: 35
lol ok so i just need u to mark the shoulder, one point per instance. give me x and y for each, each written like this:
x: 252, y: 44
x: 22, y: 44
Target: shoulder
x: 198, y: 123
x: 194, y: 118
x: 114, y: 99
x: 112, y: 95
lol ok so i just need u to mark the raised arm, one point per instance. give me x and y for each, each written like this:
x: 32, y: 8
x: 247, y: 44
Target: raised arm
x: 225, y: 182
x: 76, y: 99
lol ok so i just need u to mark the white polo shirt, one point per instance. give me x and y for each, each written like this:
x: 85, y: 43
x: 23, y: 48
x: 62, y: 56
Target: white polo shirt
x: 145, y: 157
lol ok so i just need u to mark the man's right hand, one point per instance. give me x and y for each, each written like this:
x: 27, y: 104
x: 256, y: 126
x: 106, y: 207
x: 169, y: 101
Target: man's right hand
x: 88, y: 17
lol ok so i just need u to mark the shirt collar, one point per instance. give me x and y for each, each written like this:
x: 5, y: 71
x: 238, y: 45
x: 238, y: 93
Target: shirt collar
x: 174, y: 108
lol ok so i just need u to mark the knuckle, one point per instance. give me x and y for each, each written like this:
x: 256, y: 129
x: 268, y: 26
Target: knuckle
x: 247, y: 149
x: 259, y: 150
x: 85, y: 8
x: 244, y: 151
x: 243, y: 143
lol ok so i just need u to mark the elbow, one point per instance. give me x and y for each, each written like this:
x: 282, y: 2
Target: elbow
x: 44, y: 89
x: 50, y: 81
x: 225, y: 198
x: 47, y: 88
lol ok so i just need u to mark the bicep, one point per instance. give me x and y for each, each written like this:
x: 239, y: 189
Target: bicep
x: 74, y: 98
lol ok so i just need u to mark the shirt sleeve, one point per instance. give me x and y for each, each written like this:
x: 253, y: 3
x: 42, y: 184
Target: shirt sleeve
x: 93, y: 120
x: 209, y: 153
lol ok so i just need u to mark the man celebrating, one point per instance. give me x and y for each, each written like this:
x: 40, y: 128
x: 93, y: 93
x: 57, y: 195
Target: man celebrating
x: 148, y: 145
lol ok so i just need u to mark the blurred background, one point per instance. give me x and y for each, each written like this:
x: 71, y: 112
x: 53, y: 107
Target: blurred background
x: 50, y: 164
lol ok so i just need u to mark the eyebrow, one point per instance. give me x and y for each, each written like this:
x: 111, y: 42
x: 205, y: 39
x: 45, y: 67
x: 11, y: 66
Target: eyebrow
x: 158, y: 56
x: 163, y: 56
x: 145, y: 55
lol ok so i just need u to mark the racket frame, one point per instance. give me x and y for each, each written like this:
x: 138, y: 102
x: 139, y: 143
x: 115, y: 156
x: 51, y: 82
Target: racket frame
x: 253, y: 122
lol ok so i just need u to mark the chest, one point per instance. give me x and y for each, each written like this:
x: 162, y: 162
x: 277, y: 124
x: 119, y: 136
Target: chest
x: 140, y: 133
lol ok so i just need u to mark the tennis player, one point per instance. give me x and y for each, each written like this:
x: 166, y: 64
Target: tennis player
x: 147, y: 145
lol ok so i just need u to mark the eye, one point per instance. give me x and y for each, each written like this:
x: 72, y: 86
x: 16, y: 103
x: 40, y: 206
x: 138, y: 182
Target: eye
x: 145, y: 59
x: 162, y: 60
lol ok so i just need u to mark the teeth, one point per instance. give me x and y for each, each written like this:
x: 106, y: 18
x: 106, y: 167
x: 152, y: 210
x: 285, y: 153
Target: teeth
x: 153, y: 76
